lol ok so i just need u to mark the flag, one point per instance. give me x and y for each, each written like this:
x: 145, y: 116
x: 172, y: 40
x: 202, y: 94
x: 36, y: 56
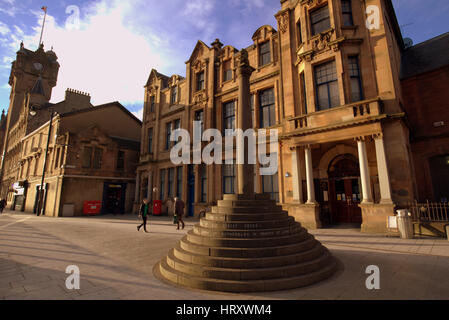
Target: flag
x: 44, y: 8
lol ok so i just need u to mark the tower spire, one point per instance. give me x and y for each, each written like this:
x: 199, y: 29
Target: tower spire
x: 43, y: 24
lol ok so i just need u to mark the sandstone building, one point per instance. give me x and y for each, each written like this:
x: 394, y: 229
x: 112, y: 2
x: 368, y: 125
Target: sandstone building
x: 329, y: 85
x: 92, y: 150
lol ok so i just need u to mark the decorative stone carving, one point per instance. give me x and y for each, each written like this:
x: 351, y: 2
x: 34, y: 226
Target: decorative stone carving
x: 283, y: 22
x: 322, y: 41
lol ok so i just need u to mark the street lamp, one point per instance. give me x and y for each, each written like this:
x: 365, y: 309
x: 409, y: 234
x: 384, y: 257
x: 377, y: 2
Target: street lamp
x: 33, y: 112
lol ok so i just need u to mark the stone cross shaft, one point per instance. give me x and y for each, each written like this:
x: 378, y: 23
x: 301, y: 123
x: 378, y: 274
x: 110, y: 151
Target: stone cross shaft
x: 245, y: 172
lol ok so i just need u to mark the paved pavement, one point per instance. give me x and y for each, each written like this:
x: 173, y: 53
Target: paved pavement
x: 116, y: 262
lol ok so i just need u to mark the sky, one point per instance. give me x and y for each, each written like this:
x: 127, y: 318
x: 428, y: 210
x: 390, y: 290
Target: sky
x: 108, y: 47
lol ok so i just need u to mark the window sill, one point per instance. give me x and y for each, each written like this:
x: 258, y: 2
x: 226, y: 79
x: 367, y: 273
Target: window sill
x: 259, y: 68
x: 354, y: 27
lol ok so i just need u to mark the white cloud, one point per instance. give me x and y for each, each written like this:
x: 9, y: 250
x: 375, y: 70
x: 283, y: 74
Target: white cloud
x: 103, y: 56
x: 138, y: 114
x: 4, y: 29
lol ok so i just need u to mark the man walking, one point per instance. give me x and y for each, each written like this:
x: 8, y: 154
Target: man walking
x: 2, y: 205
x: 143, y: 212
x: 179, y: 211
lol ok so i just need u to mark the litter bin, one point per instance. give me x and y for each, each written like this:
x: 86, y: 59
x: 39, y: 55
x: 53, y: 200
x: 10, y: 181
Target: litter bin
x: 405, y: 225
x: 157, y: 207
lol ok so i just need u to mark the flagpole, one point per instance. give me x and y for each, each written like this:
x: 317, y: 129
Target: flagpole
x: 43, y: 25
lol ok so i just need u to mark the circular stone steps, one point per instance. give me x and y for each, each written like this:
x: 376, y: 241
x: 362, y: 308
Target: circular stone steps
x: 247, y: 245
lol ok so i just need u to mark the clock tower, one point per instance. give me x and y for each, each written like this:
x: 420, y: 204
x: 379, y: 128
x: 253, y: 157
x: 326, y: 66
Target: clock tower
x: 32, y: 79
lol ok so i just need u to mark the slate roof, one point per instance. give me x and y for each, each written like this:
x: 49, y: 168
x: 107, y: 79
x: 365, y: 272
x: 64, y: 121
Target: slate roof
x: 426, y: 56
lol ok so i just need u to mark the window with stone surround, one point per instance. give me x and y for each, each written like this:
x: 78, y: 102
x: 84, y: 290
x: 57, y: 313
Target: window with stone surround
x: 355, y: 79
x: 171, y: 182
x: 267, y: 108
x: 270, y: 185
x: 87, y: 157
x: 162, y: 184
x: 228, y: 117
x: 200, y: 81
x: 346, y: 11
x: 228, y: 175
x: 227, y: 71
x: 98, y: 155
x: 199, y: 116
x: 174, y: 95
x: 264, y: 53
x: 326, y: 86
x: 320, y: 20
x: 203, y: 181
x: 299, y: 32
x: 152, y: 103
x: 150, y: 140
x: 120, y: 160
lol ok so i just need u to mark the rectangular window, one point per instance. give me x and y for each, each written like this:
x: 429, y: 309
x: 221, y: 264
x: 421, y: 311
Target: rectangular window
x: 177, y: 124
x: 267, y: 109
x: 270, y: 184
x: 326, y: 85
x: 228, y: 117
x: 167, y: 135
x: 98, y: 154
x: 346, y: 10
x: 179, y: 182
x: 162, y: 186
x: 171, y: 182
x: 320, y: 20
x: 58, y: 150
x: 200, y: 81
x: 87, y: 157
x: 199, y: 116
x: 120, y: 160
x: 299, y: 32
x: 303, y: 92
x: 228, y: 178
x: 355, y: 79
x: 264, y: 53
x: 227, y: 71
x: 150, y: 140
x: 203, y: 179
x: 152, y: 103
x: 174, y: 95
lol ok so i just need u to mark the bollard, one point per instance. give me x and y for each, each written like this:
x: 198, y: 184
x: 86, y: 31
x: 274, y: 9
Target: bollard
x: 405, y: 225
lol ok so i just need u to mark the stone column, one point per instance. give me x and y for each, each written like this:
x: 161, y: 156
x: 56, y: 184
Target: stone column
x: 137, y: 192
x: 309, y: 177
x: 384, y: 178
x: 296, y: 175
x: 245, y: 172
x: 364, y: 171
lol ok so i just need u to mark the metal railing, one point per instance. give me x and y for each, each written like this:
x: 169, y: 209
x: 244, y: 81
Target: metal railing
x: 429, y: 211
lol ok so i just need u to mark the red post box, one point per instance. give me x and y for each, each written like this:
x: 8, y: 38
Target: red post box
x: 92, y: 207
x: 157, y: 207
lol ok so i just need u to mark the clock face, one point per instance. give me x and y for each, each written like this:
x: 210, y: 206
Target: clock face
x: 38, y: 66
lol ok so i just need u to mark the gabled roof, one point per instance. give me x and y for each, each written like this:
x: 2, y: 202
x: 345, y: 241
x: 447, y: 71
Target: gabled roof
x: 199, y: 44
x: 155, y: 74
x: 426, y: 56
x: 103, y: 106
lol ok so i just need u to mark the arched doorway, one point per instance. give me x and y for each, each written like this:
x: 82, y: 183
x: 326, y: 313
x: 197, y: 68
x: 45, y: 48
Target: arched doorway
x: 344, y: 190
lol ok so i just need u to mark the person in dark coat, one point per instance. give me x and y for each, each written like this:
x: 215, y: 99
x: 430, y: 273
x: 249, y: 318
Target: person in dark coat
x: 2, y: 205
x: 143, y: 213
x: 179, y: 211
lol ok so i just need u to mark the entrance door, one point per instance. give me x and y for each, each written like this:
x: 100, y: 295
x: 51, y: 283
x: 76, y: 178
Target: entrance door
x: 345, y: 199
x: 191, y: 191
x: 114, y: 198
x: 344, y: 190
